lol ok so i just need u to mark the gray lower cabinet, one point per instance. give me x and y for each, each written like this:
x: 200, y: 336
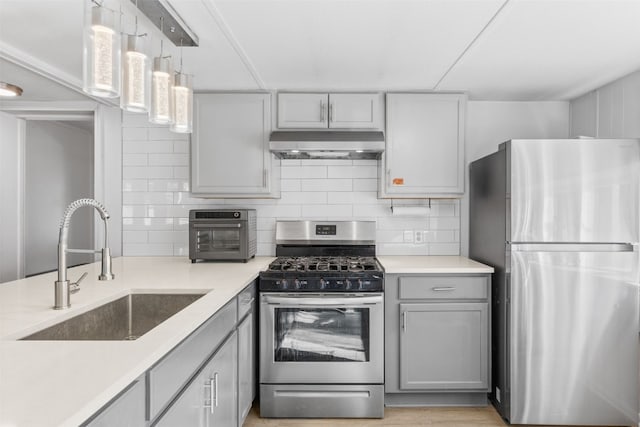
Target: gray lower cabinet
x: 246, y: 366
x: 206, y: 380
x: 437, y: 337
x: 126, y: 410
x: 210, y: 398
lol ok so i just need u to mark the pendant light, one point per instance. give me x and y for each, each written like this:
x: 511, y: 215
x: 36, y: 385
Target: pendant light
x: 101, y: 53
x: 161, y: 88
x: 135, y: 73
x: 182, y: 101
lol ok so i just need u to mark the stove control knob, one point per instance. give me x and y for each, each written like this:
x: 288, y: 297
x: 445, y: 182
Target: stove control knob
x: 284, y: 285
x: 323, y: 284
x: 297, y: 283
x: 347, y: 284
x: 360, y: 284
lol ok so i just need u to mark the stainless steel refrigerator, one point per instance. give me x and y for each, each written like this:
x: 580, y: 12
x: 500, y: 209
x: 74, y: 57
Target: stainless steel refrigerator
x: 559, y: 220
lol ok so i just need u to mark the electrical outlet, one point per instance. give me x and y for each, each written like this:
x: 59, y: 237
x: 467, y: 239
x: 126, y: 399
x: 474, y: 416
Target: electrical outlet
x: 408, y: 236
x: 418, y: 236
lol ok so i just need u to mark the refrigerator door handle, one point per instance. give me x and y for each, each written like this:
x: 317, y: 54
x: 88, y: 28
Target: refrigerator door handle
x: 574, y: 247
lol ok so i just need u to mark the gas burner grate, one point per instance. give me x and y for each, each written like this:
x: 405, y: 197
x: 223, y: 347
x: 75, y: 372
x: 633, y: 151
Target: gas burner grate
x: 325, y: 264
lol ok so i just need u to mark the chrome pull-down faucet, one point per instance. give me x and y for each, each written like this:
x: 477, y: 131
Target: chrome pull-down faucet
x: 63, y: 288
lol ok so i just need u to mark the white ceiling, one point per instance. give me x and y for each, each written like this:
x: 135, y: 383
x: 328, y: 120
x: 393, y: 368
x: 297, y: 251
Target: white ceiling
x: 494, y: 49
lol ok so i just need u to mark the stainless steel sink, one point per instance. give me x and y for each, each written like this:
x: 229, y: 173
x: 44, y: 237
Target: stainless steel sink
x: 126, y: 318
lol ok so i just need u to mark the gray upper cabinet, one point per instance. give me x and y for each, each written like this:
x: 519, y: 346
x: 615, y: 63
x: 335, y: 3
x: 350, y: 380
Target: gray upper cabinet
x: 230, y: 146
x: 329, y: 110
x: 424, y: 155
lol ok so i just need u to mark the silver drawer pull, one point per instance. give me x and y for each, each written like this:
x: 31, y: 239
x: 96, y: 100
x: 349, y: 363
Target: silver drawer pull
x: 443, y: 289
x: 212, y: 391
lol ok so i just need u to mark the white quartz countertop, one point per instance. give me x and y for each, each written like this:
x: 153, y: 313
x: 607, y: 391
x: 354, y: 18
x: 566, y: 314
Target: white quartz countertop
x: 62, y: 383
x: 432, y: 264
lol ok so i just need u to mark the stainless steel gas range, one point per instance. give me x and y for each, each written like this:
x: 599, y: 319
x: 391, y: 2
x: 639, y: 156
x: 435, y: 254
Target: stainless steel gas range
x: 322, y: 323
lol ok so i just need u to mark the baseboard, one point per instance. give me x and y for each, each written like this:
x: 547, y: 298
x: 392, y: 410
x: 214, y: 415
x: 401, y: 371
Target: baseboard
x: 435, y: 399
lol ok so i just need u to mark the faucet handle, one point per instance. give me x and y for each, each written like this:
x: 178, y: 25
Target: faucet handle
x: 75, y: 287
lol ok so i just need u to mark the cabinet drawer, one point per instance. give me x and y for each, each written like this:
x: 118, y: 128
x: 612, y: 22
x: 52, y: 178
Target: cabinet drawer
x: 167, y: 377
x: 246, y: 299
x: 443, y: 287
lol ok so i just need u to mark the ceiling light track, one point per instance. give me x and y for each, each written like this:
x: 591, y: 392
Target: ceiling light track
x: 174, y: 28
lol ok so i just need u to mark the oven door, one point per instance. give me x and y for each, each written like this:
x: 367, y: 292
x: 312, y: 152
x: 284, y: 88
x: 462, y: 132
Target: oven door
x: 321, y: 338
x: 218, y: 240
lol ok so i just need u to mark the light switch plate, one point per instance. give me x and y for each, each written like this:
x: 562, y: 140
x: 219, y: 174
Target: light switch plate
x: 408, y: 236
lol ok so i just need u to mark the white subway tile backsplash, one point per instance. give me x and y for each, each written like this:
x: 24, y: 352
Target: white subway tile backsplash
x: 178, y: 237
x: 139, y: 134
x: 326, y: 184
x: 146, y: 198
x: 138, y: 172
x: 147, y: 147
x: 162, y: 133
x: 134, y: 185
x: 168, y: 185
x: 165, y: 159
x: 135, y: 159
x: 366, y: 184
x: 289, y: 172
x: 157, y: 201
x: 132, y: 120
x: 147, y: 249
x: 444, y: 223
x: 181, y: 172
x: 358, y: 171
x: 301, y: 198
x: 134, y: 211
x: 135, y: 236
x: 444, y: 248
x: 326, y: 211
x: 161, y: 224
x: 181, y: 146
x: 290, y: 185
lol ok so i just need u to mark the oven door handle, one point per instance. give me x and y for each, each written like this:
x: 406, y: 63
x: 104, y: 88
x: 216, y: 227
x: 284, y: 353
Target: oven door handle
x: 322, y: 301
x: 217, y: 225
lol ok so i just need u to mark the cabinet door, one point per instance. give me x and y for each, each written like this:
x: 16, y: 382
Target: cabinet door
x: 354, y: 110
x: 444, y: 346
x: 210, y: 398
x: 128, y: 410
x: 230, y: 145
x: 246, y: 366
x: 424, y: 153
x: 303, y: 110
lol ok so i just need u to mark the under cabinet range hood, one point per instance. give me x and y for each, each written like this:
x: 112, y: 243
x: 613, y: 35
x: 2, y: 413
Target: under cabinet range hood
x: 327, y: 144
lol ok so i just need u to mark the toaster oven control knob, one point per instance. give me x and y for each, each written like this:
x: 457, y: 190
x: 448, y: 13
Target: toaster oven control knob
x: 236, y: 214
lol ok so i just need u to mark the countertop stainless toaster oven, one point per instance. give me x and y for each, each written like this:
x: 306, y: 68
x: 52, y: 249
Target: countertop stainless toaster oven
x: 222, y: 234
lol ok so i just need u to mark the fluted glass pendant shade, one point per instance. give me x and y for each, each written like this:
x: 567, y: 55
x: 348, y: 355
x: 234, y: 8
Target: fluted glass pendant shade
x: 182, y: 104
x: 161, y: 92
x: 136, y: 75
x: 101, y: 53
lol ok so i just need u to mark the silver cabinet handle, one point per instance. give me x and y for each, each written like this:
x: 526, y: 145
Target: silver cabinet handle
x: 404, y: 321
x: 443, y: 289
x: 331, y: 112
x: 215, y: 390
x: 264, y: 178
x: 321, y: 111
x: 212, y: 388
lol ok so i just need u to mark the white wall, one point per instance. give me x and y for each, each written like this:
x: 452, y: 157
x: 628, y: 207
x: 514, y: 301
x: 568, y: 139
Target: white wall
x: 11, y: 267
x: 58, y: 170
x: 491, y: 123
x: 612, y: 111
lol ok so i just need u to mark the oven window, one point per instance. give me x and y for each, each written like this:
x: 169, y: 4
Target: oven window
x: 218, y: 240
x: 321, y: 335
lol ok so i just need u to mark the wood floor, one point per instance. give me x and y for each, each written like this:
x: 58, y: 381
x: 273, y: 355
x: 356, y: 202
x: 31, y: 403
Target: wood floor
x: 395, y: 417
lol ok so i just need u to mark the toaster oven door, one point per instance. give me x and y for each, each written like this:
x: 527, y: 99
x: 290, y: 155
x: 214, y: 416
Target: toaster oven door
x: 218, y: 240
